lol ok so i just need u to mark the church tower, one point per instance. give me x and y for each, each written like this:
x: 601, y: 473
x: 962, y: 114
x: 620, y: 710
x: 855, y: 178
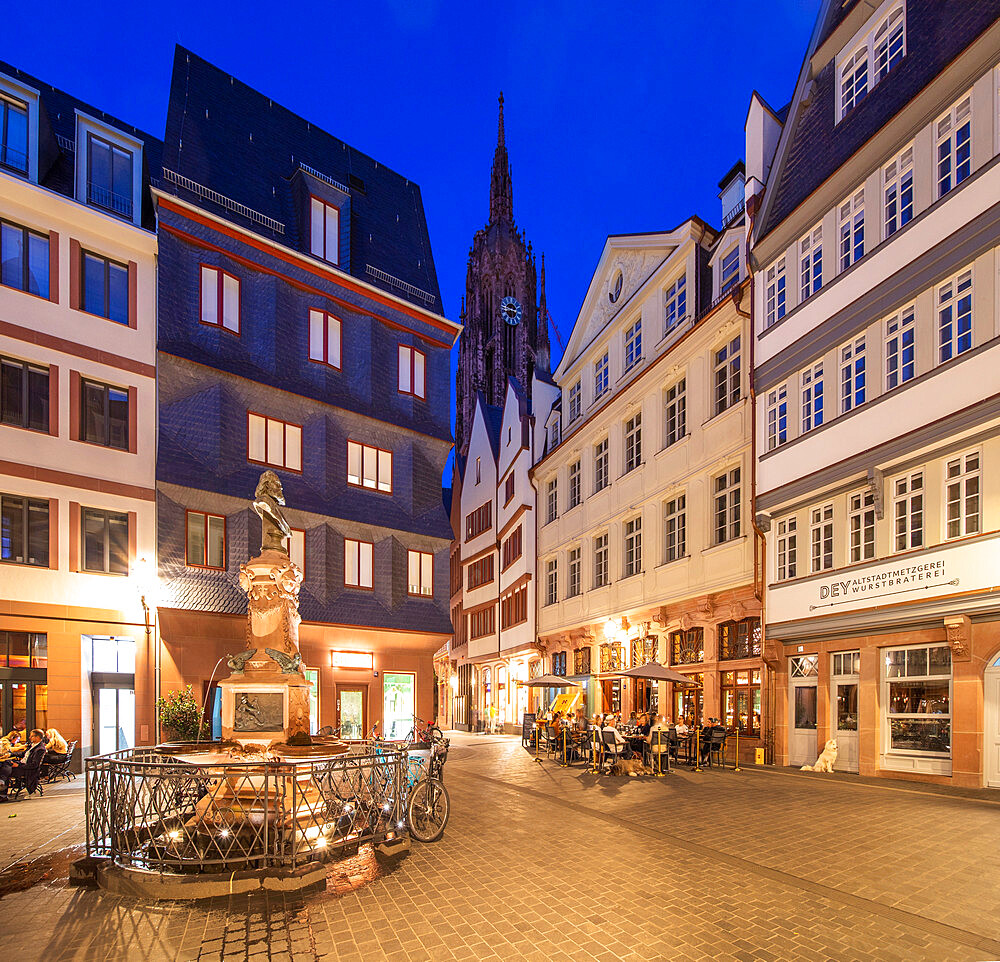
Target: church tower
x: 505, y: 330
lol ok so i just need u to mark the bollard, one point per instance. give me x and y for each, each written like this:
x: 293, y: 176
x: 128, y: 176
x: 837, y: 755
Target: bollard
x: 737, y: 759
x: 564, y: 763
x: 697, y: 748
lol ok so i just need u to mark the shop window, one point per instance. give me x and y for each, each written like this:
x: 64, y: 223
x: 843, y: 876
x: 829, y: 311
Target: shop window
x: 24, y: 649
x: 741, y: 700
x: 644, y: 650
x: 688, y: 701
x: 917, y: 700
x: 846, y: 663
x: 803, y: 666
x: 687, y: 647
x: 739, y: 639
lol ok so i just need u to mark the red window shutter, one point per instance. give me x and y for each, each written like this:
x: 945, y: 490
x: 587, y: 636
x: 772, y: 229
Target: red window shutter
x: 75, y: 267
x: 74, y: 536
x: 133, y: 295
x: 53, y: 533
x: 74, y: 405
x: 133, y: 419
x: 54, y: 400
x: 53, y: 267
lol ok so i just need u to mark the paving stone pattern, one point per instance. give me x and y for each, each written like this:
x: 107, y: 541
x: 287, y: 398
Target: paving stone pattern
x: 557, y: 865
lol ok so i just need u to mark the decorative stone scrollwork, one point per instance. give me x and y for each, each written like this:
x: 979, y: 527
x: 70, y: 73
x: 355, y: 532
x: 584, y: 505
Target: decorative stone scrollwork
x: 958, y: 629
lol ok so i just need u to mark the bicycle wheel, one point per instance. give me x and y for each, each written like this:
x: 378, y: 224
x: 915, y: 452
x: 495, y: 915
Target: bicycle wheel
x: 427, y: 810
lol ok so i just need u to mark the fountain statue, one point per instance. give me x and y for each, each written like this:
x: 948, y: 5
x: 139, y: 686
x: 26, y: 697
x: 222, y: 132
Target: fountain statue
x: 265, y: 699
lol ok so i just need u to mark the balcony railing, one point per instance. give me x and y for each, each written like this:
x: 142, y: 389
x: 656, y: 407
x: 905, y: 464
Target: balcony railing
x: 13, y: 158
x: 101, y: 196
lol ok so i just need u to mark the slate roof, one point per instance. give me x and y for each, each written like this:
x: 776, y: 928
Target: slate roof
x: 935, y: 34
x: 58, y: 119
x: 233, y: 139
x: 493, y: 419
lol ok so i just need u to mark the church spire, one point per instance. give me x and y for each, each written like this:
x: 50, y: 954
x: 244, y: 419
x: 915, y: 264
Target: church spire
x: 501, y: 202
x: 542, y: 351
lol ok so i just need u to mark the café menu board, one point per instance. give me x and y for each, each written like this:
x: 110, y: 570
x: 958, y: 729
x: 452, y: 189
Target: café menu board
x: 527, y: 727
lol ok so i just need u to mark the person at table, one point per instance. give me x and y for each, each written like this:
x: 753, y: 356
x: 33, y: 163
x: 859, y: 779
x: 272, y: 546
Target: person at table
x: 682, y: 729
x: 632, y: 721
x: 706, y: 737
x: 609, y: 726
x: 644, y: 726
x: 28, y: 766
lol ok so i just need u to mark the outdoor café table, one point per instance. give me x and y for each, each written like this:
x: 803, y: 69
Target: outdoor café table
x: 637, y: 743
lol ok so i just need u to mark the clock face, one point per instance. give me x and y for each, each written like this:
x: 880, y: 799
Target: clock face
x: 510, y: 310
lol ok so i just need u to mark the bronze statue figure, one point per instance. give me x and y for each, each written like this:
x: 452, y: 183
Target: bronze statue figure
x: 268, y: 501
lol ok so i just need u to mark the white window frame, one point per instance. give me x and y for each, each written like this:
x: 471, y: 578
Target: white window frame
x: 675, y: 413
x: 811, y: 263
x: 675, y: 528
x: 900, y: 348
x: 888, y: 716
x: 821, y: 543
x: 954, y: 311
x: 897, y: 192
x: 853, y: 79
x: 787, y: 548
x: 870, y: 56
x: 573, y: 497
x: 853, y: 374
x: 811, y: 397
x: 727, y: 375
x: 632, y: 446
x: 675, y: 304
x: 601, y: 465
x: 851, y: 229
x: 861, y: 526
x: 963, y: 496
x: 776, y: 293
x: 633, y: 344
x: 908, y: 512
x: 220, y: 291
x: 552, y: 500
x: 729, y: 269
x: 601, y: 378
x: 632, y: 547
x: 953, y: 146
x: 573, y: 565
x: 601, y: 560
x: 777, y: 417
x: 575, y: 402
x: 551, y: 581
x: 727, y: 509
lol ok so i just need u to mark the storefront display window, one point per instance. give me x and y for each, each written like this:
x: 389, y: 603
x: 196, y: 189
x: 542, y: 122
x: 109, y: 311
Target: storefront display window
x: 917, y: 699
x: 741, y: 700
x: 688, y: 702
x: 398, y: 703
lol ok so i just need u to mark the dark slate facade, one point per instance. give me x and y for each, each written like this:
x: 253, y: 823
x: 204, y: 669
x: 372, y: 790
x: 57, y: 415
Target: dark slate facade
x: 936, y: 33
x: 210, y: 377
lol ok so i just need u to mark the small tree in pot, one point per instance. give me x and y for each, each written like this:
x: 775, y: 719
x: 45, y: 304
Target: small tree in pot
x: 180, y: 715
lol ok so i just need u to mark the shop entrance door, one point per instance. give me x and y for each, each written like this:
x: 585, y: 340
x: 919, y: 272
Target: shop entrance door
x: 802, y: 673
x: 991, y: 725
x: 17, y: 707
x: 114, y: 718
x: 352, y: 716
x: 845, y: 678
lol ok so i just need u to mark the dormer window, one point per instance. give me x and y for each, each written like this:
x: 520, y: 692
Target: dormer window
x: 675, y: 304
x: 870, y: 57
x: 14, y: 135
x: 324, y: 228
x: 109, y: 176
x: 730, y: 272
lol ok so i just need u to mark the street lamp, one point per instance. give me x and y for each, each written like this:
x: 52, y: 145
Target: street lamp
x: 147, y: 583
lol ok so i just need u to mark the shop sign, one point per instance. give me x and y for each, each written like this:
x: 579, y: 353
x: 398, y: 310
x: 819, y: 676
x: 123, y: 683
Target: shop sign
x: 352, y: 659
x: 967, y: 566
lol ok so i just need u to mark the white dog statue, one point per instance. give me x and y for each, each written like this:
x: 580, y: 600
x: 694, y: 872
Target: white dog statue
x: 826, y: 759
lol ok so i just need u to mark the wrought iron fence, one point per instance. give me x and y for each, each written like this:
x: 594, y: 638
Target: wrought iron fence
x: 156, y: 812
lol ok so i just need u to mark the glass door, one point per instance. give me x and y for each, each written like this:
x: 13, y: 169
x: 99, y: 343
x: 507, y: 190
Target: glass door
x: 845, y: 669
x: 351, y: 712
x: 399, y: 703
x: 114, y: 719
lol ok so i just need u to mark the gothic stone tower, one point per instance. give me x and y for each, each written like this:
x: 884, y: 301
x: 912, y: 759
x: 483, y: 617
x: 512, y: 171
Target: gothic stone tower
x: 505, y: 324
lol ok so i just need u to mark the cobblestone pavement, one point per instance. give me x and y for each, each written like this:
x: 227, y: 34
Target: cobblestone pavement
x: 543, y: 863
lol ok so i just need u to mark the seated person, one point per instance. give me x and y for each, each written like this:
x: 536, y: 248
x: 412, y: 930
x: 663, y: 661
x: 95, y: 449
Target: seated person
x: 706, y: 736
x: 632, y: 721
x: 659, y: 725
x: 28, y: 766
x: 682, y: 728
x: 609, y: 726
x: 643, y: 727
x: 56, y: 745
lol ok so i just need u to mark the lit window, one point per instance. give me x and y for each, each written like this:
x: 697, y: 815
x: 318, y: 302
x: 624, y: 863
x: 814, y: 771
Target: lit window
x: 917, y: 699
x: 412, y: 368
x: 852, y: 230
x: 775, y: 305
x: 105, y: 288
x: 109, y: 176
x: 295, y: 545
x: 777, y: 417
x: 727, y: 375
x: 811, y: 263
x: 908, y: 511
x: 954, y: 308
x: 324, y: 226
x: 369, y: 467
x: 206, y: 540
x: 358, y: 563
x: 633, y: 345
x: 220, y: 299
x: 420, y: 573
x: 730, y: 270
x: 324, y: 338
x: 274, y: 442
x: 852, y: 375
x: 14, y: 135
x: 900, y: 349
x: 675, y: 302
x: 953, y: 138
x: 812, y: 398
x: 897, y: 192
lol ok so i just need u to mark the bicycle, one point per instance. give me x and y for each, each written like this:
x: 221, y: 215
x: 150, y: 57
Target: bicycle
x: 428, y: 804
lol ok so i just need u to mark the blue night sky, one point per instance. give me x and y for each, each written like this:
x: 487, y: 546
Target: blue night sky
x: 618, y: 120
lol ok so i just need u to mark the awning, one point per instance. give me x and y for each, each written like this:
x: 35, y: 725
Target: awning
x: 654, y: 671
x: 549, y: 681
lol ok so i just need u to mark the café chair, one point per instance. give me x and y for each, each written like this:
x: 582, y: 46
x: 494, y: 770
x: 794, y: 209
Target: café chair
x: 717, y: 748
x: 611, y: 747
x: 659, y: 752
